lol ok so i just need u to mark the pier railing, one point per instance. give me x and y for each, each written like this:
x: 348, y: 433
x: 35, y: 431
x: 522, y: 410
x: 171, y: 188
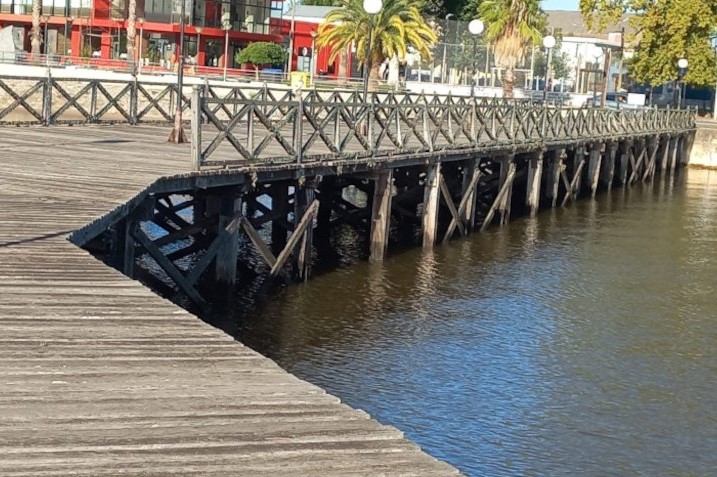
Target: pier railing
x: 55, y: 100
x: 238, y: 131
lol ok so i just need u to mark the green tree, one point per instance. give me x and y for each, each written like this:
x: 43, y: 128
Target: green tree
x: 667, y: 30
x: 397, y: 26
x: 262, y: 53
x: 511, y: 26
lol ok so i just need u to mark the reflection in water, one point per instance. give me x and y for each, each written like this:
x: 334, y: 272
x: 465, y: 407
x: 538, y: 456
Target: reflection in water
x: 579, y: 342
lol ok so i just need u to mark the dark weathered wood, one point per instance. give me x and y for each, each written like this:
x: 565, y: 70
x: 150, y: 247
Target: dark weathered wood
x: 431, y: 199
x: 455, y: 215
x: 305, y: 195
x: 507, y: 164
x: 226, y: 259
x: 573, y: 187
x: 468, y: 200
x: 607, y: 175
x: 381, y: 215
x: 594, y: 167
x: 557, y: 169
x: 499, y: 199
x: 302, y: 225
x: 469, y: 193
x: 535, y: 174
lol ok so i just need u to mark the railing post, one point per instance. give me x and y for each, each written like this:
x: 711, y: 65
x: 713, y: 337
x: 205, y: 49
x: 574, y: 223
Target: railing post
x: 426, y: 131
x: 370, y: 120
x: 47, y: 99
x: 299, y: 133
x: 93, y: 101
x: 133, y: 101
x: 196, y: 139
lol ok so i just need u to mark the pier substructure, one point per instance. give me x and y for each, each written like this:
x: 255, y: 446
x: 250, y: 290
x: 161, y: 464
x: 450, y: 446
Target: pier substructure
x: 535, y: 173
x: 431, y: 198
x: 381, y: 214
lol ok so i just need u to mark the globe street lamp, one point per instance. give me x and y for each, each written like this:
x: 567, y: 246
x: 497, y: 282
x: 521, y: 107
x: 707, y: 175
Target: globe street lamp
x: 682, y: 64
x: 475, y: 27
x: 549, y: 44
x: 372, y: 7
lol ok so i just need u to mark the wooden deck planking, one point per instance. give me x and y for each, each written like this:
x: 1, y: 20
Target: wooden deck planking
x: 100, y: 376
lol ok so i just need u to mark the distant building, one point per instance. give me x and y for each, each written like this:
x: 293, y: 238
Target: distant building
x: 98, y: 28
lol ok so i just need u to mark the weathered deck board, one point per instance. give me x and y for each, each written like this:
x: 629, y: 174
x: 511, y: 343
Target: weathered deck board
x: 100, y: 376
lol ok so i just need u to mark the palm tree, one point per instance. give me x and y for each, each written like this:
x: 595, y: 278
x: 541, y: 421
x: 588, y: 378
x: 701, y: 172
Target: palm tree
x: 397, y: 26
x: 35, y: 34
x: 131, y: 30
x: 511, y: 26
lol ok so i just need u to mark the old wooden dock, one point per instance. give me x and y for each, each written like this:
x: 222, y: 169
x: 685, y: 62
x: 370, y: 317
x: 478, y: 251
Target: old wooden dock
x: 100, y: 376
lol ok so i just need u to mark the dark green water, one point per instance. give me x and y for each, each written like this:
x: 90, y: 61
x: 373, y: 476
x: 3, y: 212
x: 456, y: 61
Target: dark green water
x: 582, y: 342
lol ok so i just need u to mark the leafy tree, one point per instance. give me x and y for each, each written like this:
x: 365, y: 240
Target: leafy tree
x: 667, y: 30
x: 560, y: 63
x: 262, y: 53
x: 397, y: 26
x: 511, y: 26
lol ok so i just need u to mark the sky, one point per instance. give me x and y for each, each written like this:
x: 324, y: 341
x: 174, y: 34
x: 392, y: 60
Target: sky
x: 560, y: 4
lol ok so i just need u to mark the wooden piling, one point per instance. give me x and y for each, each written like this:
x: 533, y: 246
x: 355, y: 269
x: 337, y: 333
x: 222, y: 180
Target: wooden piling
x: 674, y: 152
x: 535, y: 174
x: 381, y: 214
x: 595, y: 166
x: 469, y: 193
x: 304, y: 197
x: 226, y: 260
x: 557, y: 167
x: 279, y: 205
x: 431, y: 198
x: 607, y: 174
x: 507, y: 176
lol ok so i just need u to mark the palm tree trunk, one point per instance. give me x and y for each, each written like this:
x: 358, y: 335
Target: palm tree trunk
x: 373, y: 75
x: 508, y: 83
x: 343, y: 65
x: 35, y: 32
x: 131, y: 31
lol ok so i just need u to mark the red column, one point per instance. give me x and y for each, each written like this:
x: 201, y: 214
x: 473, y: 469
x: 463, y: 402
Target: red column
x: 106, y: 46
x: 76, y: 41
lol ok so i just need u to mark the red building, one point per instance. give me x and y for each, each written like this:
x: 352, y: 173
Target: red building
x: 307, y: 19
x: 98, y: 28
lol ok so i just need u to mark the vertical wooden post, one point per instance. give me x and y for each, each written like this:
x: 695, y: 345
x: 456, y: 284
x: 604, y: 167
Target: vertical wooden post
x: 558, y: 163
x: 578, y: 157
x: 674, y: 153
x: 381, y: 214
x: 130, y: 224
x: 664, y: 153
x: 594, y: 166
x: 196, y: 125
x: 608, y: 165
x: 507, y: 165
x: 624, y: 161
x: 279, y: 204
x: 304, y: 196
x: 327, y: 193
x: 469, y: 213
x: 431, y: 198
x: 226, y: 261
x: 535, y: 173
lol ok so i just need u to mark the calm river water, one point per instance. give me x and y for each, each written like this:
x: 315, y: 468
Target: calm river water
x: 582, y: 342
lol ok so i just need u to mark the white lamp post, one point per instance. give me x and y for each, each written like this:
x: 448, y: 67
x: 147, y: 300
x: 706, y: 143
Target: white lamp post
x: 199, y: 43
x: 312, y: 69
x: 226, y: 26
x: 372, y: 7
x: 549, y: 44
x: 682, y: 64
x: 475, y: 27
x: 444, y: 77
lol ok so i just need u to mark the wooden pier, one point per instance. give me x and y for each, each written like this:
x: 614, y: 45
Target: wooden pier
x: 101, y: 375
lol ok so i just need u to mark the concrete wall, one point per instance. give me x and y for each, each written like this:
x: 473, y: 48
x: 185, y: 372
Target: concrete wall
x: 704, y: 150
